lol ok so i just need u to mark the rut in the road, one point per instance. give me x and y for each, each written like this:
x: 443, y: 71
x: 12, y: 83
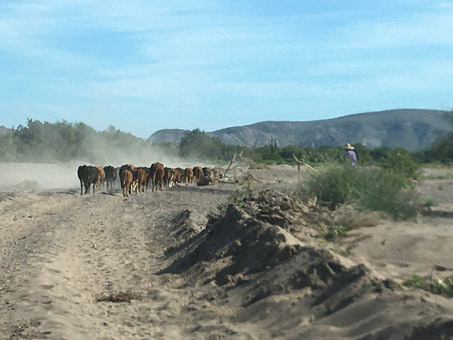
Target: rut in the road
x: 95, y: 274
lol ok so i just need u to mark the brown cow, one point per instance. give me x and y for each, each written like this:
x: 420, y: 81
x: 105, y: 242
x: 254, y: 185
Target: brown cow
x: 101, y: 175
x: 140, y: 175
x: 126, y: 178
x: 156, y: 174
x: 131, y: 168
x: 188, y: 175
x: 176, y: 176
x: 197, y: 173
x: 168, y: 177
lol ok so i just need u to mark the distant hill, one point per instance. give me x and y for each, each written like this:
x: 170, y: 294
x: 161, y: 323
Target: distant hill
x: 412, y: 129
x: 4, y: 130
x: 167, y: 136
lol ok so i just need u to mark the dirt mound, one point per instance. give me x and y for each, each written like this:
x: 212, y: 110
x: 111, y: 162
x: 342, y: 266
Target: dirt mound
x: 264, y: 254
x: 181, y: 228
x: 256, y: 235
x: 266, y: 231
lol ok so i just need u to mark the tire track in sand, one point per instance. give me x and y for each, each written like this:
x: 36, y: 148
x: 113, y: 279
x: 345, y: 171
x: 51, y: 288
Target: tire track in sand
x: 103, y: 247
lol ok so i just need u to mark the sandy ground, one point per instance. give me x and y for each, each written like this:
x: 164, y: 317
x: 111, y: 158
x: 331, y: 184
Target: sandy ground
x: 156, y: 266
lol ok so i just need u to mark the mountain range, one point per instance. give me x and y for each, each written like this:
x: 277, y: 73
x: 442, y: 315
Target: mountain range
x: 412, y: 129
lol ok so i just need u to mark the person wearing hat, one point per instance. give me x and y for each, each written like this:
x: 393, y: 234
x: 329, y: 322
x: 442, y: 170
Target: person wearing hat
x: 350, y: 154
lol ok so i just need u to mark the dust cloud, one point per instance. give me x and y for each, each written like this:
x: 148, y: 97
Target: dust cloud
x: 34, y: 177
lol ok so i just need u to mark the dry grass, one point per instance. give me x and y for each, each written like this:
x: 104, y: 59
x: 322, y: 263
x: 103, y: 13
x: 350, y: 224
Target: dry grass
x: 118, y: 297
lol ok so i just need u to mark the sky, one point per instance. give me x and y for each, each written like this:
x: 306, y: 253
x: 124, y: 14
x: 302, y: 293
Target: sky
x: 143, y: 66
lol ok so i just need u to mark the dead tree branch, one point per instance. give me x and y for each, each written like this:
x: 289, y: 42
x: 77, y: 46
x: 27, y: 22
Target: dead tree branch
x: 231, y: 162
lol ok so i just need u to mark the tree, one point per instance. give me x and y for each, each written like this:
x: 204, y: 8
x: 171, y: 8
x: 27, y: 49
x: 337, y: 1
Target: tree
x: 199, y: 144
x: 8, y: 148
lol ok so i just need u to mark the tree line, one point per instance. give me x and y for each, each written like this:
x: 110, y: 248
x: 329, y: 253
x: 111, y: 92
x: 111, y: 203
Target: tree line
x: 63, y: 141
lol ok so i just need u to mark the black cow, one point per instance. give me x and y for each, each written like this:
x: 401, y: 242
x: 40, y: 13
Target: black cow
x: 168, y: 177
x: 110, y: 176
x: 129, y: 167
x: 88, y: 175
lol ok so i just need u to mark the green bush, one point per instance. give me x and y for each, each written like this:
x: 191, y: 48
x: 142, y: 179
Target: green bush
x: 379, y: 154
x: 400, y: 162
x: 434, y: 285
x: 322, y: 154
x: 441, y: 151
x: 336, y: 231
x: 369, y: 188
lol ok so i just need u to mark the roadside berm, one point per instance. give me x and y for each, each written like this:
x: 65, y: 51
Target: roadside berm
x: 266, y: 261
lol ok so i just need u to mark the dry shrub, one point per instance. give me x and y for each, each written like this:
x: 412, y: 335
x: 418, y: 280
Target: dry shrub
x: 117, y: 297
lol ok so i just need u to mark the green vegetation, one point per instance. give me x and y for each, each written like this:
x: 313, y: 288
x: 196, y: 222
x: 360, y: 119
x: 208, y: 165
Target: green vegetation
x: 441, y: 151
x: 371, y: 188
x: 400, y: 162
x: 197, y: 144
x: 63, y: 141
x: 429, y: 202
x: 434, y: 285
x: 336, y: 231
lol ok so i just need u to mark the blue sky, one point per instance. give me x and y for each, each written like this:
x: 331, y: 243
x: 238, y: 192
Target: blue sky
x: 147, y: 65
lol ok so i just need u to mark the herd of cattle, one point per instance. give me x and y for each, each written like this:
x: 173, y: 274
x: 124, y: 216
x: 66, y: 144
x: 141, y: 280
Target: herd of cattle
x: 137, y: 179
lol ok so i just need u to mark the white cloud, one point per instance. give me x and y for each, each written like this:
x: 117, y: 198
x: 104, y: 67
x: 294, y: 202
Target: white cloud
x: 446, y: 4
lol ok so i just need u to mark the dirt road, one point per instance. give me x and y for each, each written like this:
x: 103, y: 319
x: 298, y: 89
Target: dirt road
x: 63, y: 254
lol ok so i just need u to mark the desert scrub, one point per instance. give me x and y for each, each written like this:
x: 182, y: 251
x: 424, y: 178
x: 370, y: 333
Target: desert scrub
x: 369, y: 188
x: 400, y: 162
x: 434, y: 285
x: 335, y: 232
x: 429, y: 202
